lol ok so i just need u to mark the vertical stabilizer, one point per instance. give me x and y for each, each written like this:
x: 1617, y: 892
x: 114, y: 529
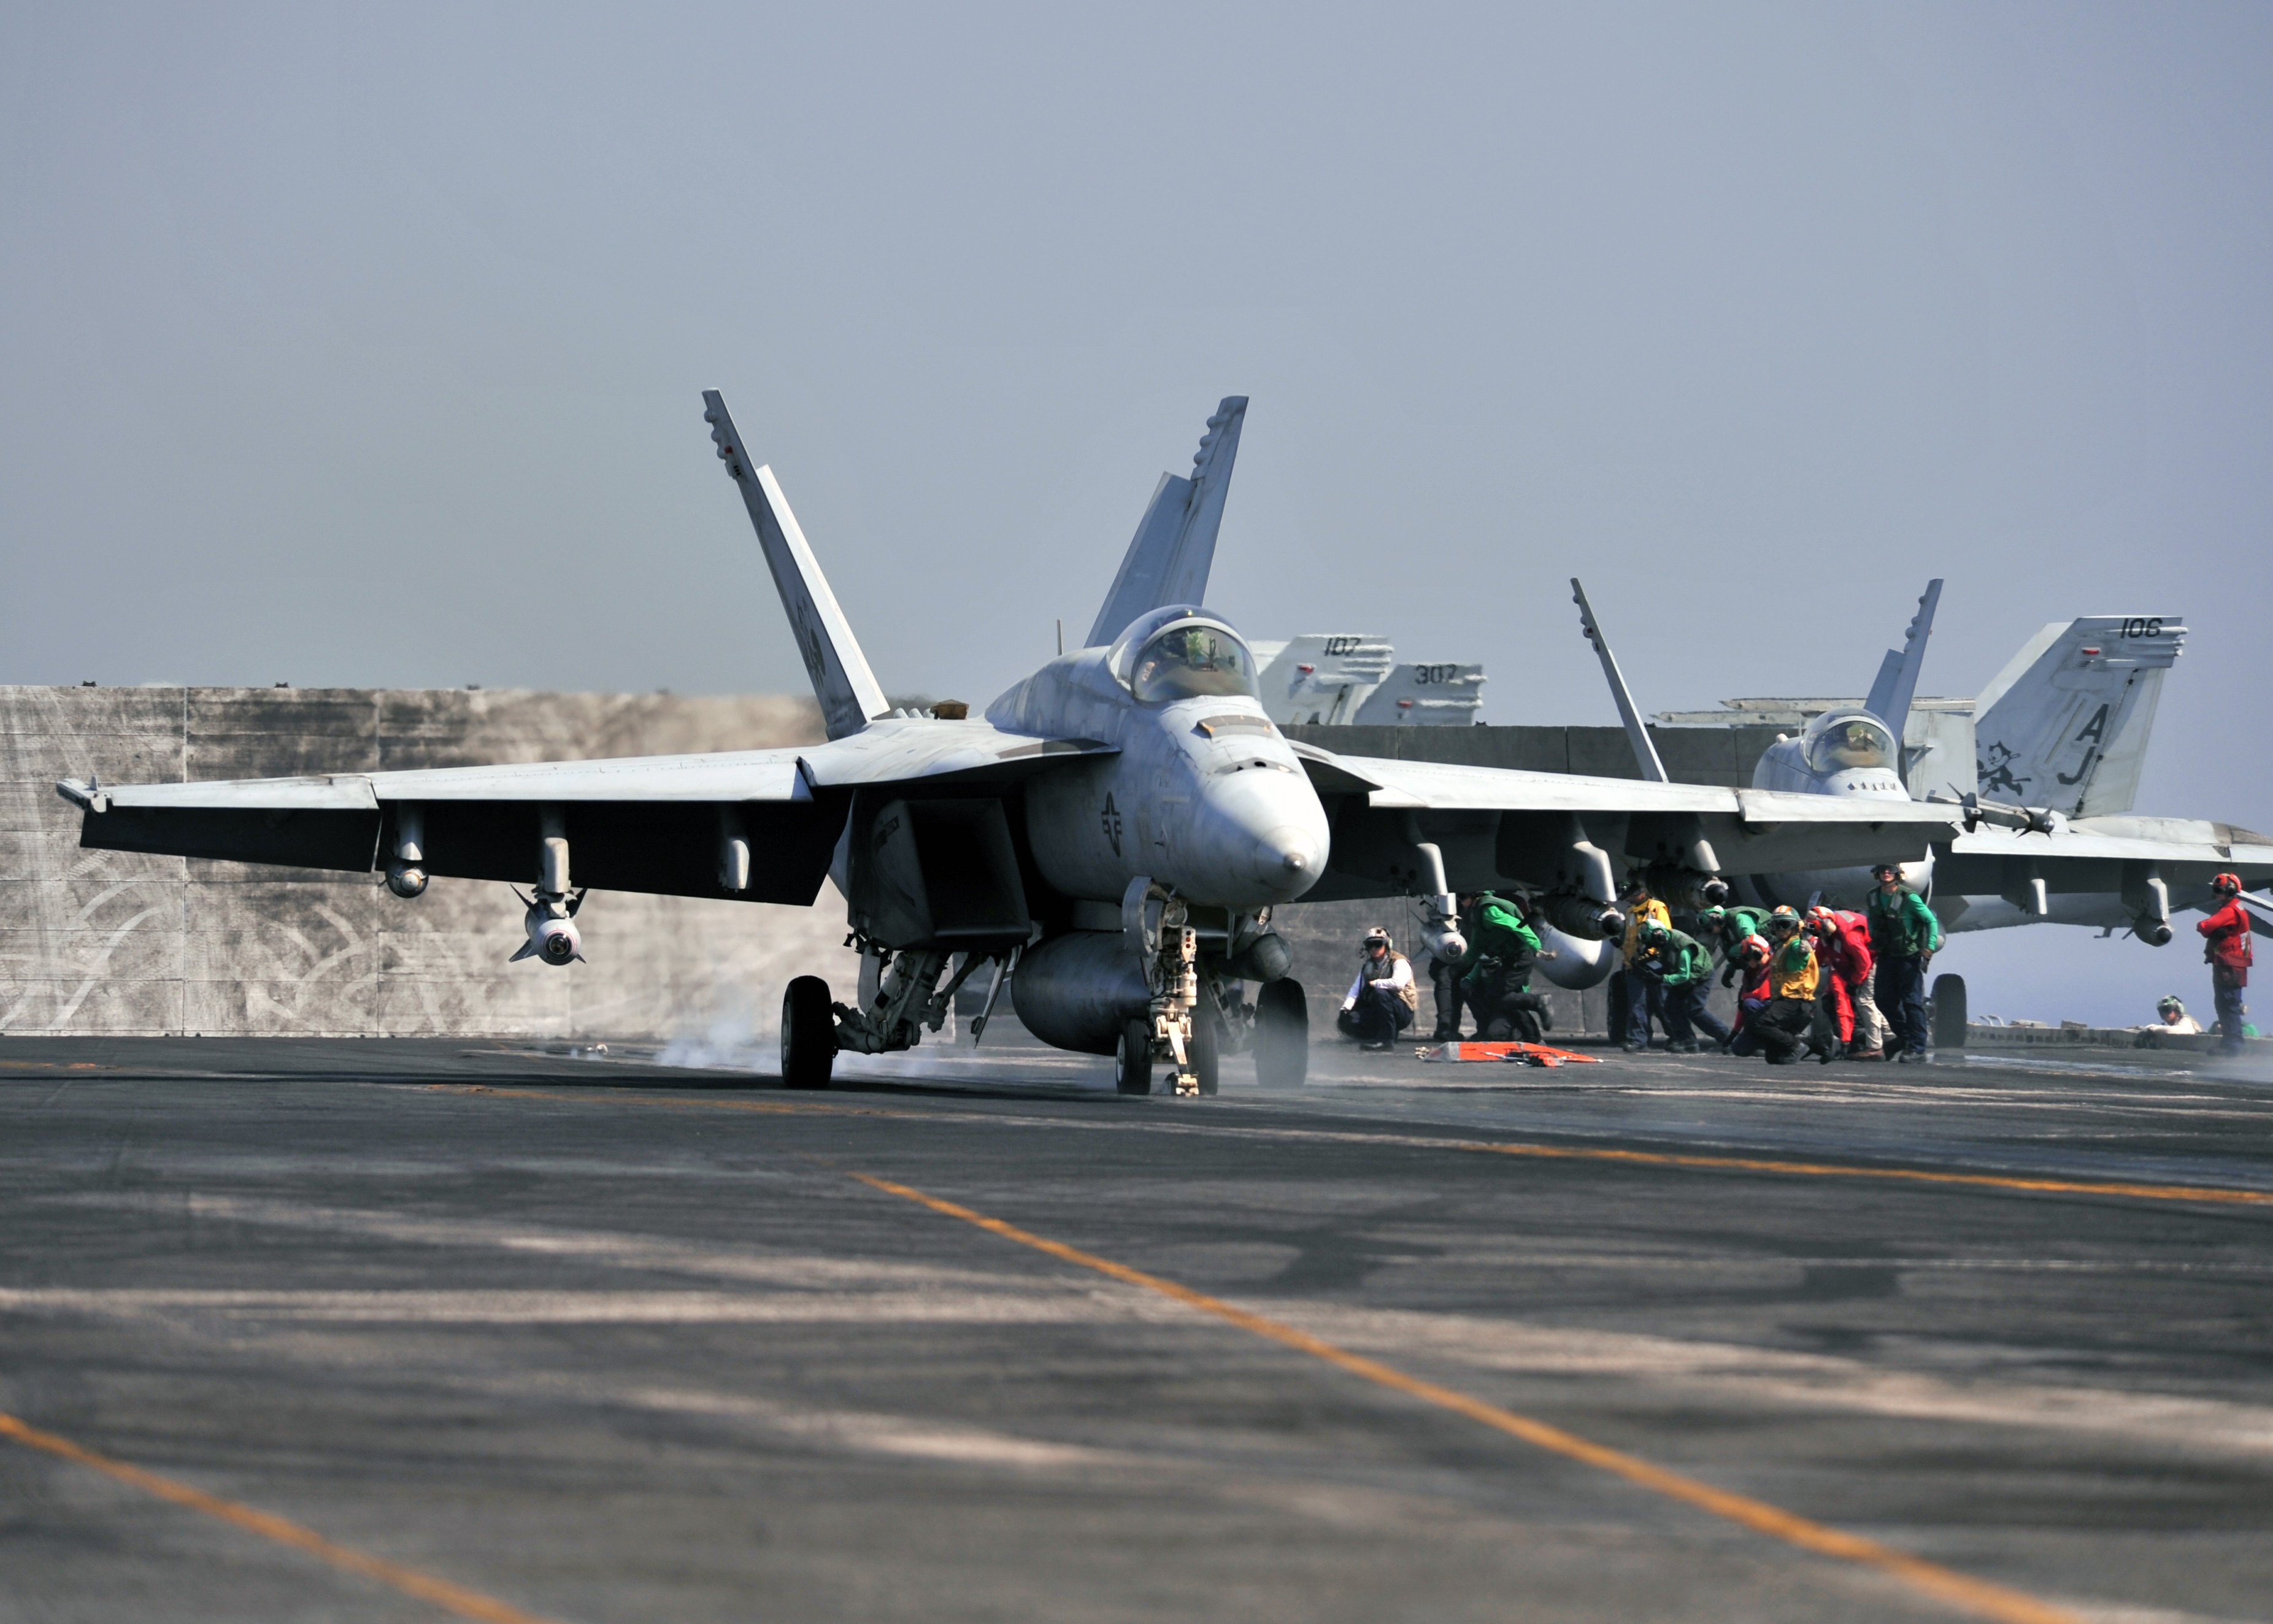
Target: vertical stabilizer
x: 850, y: 698
x: 2065, y: 724
x: 1645, y: 748
x: 1898, y: 674
x: 1168, y: 559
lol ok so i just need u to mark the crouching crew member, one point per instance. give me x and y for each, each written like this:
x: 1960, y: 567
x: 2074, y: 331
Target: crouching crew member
x: 2226, y: 945
x: 1781, y: 1027
x: 1645, y: 998
x: 1847, y: 1015
x: 1680, y: 965
x: 1904, y: 937
x: 1502, y: 951
x: 1750, y: 962
x: 2171, y: 1016
x: 1725, y: 930
x: 1383, y: 998
x: 1447, y: 949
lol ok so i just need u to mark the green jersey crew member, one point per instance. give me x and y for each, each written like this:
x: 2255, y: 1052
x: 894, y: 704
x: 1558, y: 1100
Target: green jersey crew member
x: 1904, y: 937
x: 1503, y: 948
x: 1681, y: 965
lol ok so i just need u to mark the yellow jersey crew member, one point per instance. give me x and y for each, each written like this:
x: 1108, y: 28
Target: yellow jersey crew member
x: 1794, y: 979
x: 1644, y: 996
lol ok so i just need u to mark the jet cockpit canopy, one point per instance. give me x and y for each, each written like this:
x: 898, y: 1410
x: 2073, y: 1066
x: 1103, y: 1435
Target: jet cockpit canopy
x: 1841, y: 740
x: 1183, y: 652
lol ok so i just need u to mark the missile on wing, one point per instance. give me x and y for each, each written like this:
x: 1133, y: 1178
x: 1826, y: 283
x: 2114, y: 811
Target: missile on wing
x: 553, y: 935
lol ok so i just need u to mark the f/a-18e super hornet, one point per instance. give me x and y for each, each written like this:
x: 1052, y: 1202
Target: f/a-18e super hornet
x: 1118, y: 827
x: 2066, y: 721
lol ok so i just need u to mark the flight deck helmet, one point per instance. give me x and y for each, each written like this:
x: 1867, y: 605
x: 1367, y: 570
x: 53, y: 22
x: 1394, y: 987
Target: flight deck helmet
x: 2227, y: 884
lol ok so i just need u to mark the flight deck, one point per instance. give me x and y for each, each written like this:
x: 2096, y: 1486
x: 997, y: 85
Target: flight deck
x: 400, y: 1329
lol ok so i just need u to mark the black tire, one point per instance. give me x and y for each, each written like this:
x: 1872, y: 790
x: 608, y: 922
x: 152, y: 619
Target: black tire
x: 1207, y: 1049
x: 1947, y: 1011
x: 808, y: 1034
x: 1282, y: 1034
x: 1132, y: 1059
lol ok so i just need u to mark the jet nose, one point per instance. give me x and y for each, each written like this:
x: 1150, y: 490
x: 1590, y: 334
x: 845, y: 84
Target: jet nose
x: 1288, y: 860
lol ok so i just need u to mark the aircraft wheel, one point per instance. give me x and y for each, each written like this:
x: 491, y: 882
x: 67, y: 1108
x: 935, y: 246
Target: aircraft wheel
x: 808, y: 1034
x: 1947, y: 1011
x: 1132, y: 1060
x: 1207, y: 1049
x: 1282, y: 1034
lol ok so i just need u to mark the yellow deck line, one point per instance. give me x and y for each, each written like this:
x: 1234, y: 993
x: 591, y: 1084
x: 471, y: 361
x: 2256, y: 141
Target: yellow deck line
x: 453, y: 1599
x: 1981, y: 1597
x: 2216, y: 1194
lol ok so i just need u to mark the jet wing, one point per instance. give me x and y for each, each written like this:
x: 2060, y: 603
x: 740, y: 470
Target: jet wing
x: 648, y: 823
x: 2107, y: 856
x: 1494, y: 823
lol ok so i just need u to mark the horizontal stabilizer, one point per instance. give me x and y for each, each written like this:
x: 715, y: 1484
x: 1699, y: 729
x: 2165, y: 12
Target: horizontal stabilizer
x: 1169, y: 557
x: 847, y: 689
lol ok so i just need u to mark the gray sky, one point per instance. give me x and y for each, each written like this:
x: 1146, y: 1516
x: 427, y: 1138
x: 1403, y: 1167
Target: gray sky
x: 364, y: 345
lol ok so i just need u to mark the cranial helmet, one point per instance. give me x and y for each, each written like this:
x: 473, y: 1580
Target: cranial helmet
x: 2169, y: 1001
x: 1711, y: 918
x: 1379, y: 933
x: 1820, y: 917
x: 1880, y: 871
x: 1784, y: 919
x: 2227, y: 884
x: 1655, y: 932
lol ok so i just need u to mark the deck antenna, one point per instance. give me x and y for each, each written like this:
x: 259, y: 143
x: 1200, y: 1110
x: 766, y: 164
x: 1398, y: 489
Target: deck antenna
x: 1061, y: 637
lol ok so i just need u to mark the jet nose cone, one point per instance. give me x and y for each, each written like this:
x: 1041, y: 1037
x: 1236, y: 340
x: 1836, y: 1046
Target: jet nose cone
x: 1288, y: 860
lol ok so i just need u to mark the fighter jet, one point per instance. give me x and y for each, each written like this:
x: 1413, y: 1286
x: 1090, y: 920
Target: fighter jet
x: 1118, y: 827
x: 2082, y: 695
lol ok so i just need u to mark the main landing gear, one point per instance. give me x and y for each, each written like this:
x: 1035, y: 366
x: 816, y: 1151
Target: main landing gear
x: 808, y: 1034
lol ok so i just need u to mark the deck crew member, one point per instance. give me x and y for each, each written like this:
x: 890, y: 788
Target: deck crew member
x: 1645, y: 998
x: 1383, y: 998
x: 1904, y: 937
x: 1502, y: 948
x: 2226, y: 945
x: 2171, y: 1016
x: 1781, y: 1028
x: 1847, y: 1013
x: 1725, y: 929
x: 1447, y: 947
x: 1681, y: 965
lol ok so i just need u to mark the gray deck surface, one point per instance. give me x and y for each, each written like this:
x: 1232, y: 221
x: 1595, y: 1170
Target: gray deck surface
x: 596, y: 1339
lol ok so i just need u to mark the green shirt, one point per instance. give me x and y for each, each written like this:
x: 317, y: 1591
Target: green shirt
x: 1687, y: 960
x: 1498, y: 932
x: 1737, y: 923
x: 1901, y: 925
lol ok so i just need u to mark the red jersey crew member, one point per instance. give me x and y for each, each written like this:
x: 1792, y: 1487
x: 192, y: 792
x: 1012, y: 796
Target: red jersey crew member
x: 2226, y: 946
x: 1848, y: 1014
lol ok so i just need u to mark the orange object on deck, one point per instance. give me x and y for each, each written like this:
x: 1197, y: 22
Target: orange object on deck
x: 1522, y: 1054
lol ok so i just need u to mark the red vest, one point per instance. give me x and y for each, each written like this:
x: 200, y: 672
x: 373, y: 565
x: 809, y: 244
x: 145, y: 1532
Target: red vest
x: 2228, y: 931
